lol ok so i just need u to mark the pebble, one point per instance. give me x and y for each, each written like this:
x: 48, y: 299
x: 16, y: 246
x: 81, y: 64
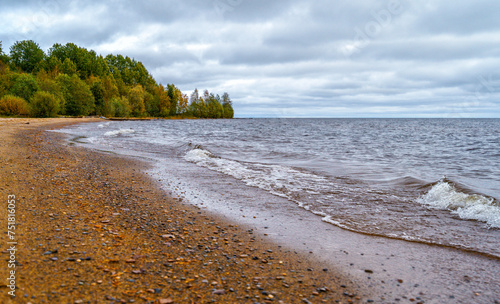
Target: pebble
x: 219, y: 291
x: 165, y: 301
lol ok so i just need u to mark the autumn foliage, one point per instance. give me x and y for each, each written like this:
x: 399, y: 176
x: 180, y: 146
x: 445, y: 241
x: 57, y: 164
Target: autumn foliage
x: 72, y: 81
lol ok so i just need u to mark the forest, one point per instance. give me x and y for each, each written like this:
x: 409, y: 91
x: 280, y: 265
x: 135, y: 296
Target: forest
x: 70, y: 80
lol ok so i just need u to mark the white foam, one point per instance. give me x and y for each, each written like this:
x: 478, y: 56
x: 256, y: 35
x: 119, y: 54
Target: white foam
x: 279, y: 180
x: 100, y: 126
x: 197, y: 155
x: 467, y: 206
x: 119, y: 132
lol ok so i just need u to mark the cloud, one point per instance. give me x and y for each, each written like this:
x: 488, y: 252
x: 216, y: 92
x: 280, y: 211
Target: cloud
x: 293, y: 57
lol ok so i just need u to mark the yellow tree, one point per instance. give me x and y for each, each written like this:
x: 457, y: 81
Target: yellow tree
x: 183, y: 103
x: 164, y: 101
x: 136, y: 100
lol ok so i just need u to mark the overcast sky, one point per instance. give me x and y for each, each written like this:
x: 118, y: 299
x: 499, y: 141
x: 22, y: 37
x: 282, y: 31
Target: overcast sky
x: 293, y: 58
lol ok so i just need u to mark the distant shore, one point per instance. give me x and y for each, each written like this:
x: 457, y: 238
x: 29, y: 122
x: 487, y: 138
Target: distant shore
x: 92, y: 228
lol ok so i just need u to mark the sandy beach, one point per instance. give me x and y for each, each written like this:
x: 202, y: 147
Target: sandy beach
x: 92, y: 228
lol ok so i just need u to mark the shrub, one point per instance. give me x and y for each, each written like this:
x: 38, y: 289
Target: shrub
x: 44, y: 104
x: 13, y: 105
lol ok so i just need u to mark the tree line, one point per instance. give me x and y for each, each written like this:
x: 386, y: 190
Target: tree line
x: 72, y: 81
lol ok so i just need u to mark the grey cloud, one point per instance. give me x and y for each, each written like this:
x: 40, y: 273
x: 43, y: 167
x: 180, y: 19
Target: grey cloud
x: 341, y: 58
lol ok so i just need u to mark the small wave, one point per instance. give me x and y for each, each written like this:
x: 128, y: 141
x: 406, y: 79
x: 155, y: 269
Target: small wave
x: 197, y: 155
x: 279, y: 180
x: 100, y: 126
x: 119, y: 132
x: 444, y: 195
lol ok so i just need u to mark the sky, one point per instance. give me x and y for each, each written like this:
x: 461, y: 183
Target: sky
x: 292, y: 58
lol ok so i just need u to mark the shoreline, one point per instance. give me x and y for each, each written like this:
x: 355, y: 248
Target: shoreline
x: 389, y: 270
x: 93, y: 228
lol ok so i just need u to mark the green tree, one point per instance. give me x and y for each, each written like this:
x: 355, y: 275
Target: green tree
x: 7, y: 79
x: 4, y: 59
x: 44, y: 104
x: 13, y: 105
x: 53, y: 65
x: 77, y: 94
x: 130, y: 71
x: 194, y: 106
x: 25, y: 86
x: 120, y: 107
x: 26, y: 55
x: 97, y: 90
x: 47, y: 84
x: 174, y: 95
x: 68, y: 67
x: 227, y: 105
x: 110, y: 87
x: 214, y: 108
x: 83, y: 82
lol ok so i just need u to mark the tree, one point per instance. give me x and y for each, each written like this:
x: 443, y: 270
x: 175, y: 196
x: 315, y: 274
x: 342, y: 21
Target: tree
x: 77, y: 94
x: 163, y: 102
x: 110, y: 87
x: 214, y: 108
x: 7, y: 80
x: 4, y: 59
x: 174, y: 95
x: 183, y: 104
x: 26, y: 55
x: 44, y: 104
x: 13, y: 105
x: 53, y: 65
x: 47, y: 84
x: 194, y: 96
x: 68, y: 67
x: 97, y: 90
x: 227, y: 105
x: 25, y: 86
x: 136, y: 100
x: 81, y: 82
x: 120, y: 107
x: 130, y: 71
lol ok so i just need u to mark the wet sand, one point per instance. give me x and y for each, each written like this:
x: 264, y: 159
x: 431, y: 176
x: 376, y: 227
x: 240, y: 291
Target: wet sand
x: 386, y: 270
x: 93, y: 228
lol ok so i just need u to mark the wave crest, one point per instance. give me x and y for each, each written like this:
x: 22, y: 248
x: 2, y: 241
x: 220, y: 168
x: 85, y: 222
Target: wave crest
x: 445, y: 196
x: 119, y: 132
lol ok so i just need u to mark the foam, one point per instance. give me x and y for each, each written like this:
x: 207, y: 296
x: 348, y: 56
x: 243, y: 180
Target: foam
x: 119, y: 132
x: 279, y: 180
x: 444, y: 196
x: 100, y: 126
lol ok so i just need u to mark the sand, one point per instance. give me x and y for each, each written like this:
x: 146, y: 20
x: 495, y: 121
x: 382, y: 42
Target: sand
x: 91, y: 227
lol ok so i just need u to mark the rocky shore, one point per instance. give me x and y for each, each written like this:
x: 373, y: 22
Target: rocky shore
x: 90, y: 227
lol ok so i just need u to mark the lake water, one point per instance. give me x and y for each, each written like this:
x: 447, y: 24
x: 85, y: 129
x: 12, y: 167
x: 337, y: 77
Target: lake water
x: 434, y: 181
